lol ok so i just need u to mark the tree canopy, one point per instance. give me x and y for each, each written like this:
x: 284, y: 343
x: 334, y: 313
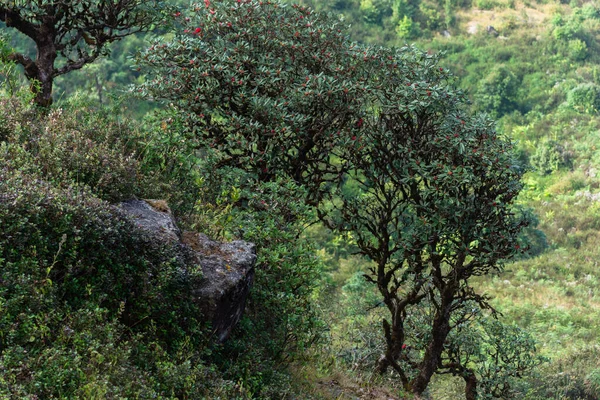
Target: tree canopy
x: 70, y: 34
x: 272, y: 88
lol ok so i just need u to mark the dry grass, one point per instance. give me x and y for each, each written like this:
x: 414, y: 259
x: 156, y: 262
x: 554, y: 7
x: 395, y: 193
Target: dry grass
x: 531, y: 16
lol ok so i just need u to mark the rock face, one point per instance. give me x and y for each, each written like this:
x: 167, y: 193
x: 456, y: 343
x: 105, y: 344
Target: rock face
x: 228, y: 274
x: 227, y: 268
x: 153, y: 216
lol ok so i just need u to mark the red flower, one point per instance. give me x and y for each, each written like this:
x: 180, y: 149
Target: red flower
x: 359, y: 123
x: 197, y: 30
x: 207, y: 3
x: 404, y: 346
x: 353, y: 137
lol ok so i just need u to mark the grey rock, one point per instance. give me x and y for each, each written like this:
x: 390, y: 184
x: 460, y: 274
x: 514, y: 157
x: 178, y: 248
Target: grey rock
x: 153, y: 216
x: 492, y: 31
x: 227, y: 268
x: 228, y: 273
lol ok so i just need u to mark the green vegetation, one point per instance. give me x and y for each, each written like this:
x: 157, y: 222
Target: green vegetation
x: 340, y: 161
x: 70, y: 34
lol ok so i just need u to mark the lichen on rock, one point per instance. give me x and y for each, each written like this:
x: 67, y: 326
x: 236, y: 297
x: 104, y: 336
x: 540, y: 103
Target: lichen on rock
x: 227, y: 268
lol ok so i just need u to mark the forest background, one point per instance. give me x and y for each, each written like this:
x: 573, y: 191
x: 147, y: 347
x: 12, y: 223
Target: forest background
x: 532, y: 65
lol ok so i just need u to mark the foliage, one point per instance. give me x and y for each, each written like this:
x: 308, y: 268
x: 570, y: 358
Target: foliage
x: 500, y: 355
x: 280, y: 322
x: 496, y: 93
x: 585, y: 97
x: 547, y: 158
x: 75, y: 32
x: 90, y: 305
x: 275, y: 101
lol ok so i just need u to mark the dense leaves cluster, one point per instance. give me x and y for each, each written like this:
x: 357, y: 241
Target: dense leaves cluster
x: 272, y: 88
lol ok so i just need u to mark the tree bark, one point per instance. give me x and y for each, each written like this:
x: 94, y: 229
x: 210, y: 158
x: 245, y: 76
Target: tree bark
x: 45, y: 58
x: 440, y: 330
x: 471, y: 386
x: 394, y: 335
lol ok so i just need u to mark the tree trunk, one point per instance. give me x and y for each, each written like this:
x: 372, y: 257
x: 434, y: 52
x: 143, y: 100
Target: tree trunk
x: 43, y: 93
x: 433, y: 353
x: 394, y: 338
x: 46, y: 56
x: 471, y: 386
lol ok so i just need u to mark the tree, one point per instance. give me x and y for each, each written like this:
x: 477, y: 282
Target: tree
x: 380, y: 138
x: 430, y: 200
x: 70, y: 34
x: 497, y: 92
x: 273, y: 89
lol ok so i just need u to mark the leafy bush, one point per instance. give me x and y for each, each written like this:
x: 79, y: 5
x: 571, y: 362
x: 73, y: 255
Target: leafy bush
x: 280, y: 320
x: 547, y: 158
x: 87, y: 248
x: 497, y: 93
x: 76, y: 146
x: 578, y: 50
x: 585, y: 97
x: 91, y: 305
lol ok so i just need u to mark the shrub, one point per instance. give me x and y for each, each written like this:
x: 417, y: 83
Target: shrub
x: 585, y: 97
x: 547, y: 158
x: 578, y: 50
x: 90, y: 250
x: 497, y: 93
x: 91, y: 306
x: 280, y: 320
x: 76, y: 146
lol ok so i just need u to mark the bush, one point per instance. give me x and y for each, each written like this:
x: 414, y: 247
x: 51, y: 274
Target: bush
x: 585, y: 98
x: 497, y: 93
x: 91, y: 306
x: 91, y: 251
x: 76, y: 146
x: 280, y: 320
x: 547, y: 158
x: 578, y: 50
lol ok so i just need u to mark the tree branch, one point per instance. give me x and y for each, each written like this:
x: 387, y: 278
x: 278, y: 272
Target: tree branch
x: 31, y: 70
x: 13, y: 19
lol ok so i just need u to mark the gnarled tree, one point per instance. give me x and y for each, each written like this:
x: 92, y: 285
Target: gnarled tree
x: 430, y: 200
x: 69, y: 34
